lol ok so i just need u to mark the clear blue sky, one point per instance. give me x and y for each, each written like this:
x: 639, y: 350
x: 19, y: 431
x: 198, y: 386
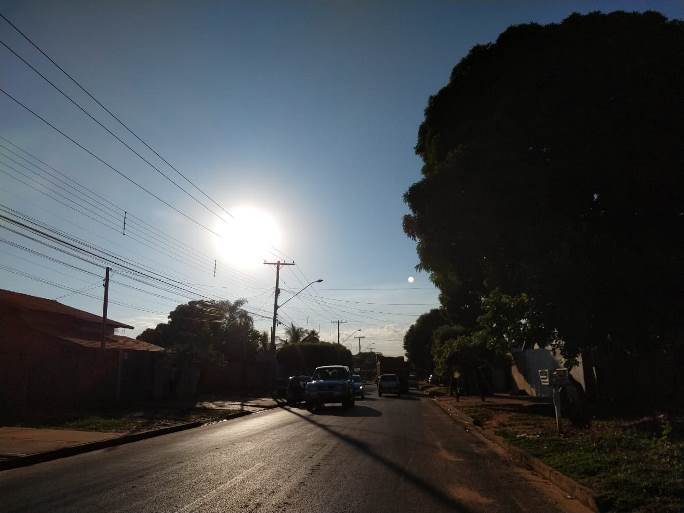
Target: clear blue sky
x: 305, y: 110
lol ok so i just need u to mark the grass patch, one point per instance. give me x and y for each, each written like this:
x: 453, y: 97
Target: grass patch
x: 631, y: 469
x: 480, y: 415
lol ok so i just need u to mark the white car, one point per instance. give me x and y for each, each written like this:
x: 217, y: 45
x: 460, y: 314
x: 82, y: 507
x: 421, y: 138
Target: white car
x: 330, y: 384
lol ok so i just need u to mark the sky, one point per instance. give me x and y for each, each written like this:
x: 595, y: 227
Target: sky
x: 298, y: 118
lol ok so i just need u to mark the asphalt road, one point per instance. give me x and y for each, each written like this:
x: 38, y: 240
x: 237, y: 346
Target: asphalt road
x: 384, y: 455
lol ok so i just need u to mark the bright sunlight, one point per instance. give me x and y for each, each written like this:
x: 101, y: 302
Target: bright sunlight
x: 248, y: 237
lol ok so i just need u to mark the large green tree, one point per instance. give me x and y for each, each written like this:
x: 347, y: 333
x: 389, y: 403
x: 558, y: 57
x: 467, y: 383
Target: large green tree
x: 554, y: 166
x: 304, y: 357
x: 418, y: 339
x: 207, y: 331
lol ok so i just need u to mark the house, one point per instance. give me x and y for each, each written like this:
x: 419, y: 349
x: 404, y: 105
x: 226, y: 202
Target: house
x: 52, y: 359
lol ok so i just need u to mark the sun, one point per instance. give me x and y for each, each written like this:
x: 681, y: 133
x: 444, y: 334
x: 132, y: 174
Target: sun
x: 248, y: 237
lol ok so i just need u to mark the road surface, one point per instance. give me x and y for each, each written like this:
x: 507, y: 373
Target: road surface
x: 384, y: 455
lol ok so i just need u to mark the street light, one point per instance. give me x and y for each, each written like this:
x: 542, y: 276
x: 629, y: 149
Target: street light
x: 349, y: 336
x: 291, y: 298
x: 275, y: 302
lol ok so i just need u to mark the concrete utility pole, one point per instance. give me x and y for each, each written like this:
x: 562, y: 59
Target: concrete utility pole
x: 338, y: 328
x: 104, y: 308
x: 278, y: 264
x: 360, y: 337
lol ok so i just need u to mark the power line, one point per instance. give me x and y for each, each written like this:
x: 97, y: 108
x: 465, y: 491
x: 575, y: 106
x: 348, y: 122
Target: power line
x: 77, y: 105
x: 30, y: 276
x: 95, y: 216
x: 102, y: 161
x: 123, y: 264
x: 107, y: 110
x: 91, y: 196
x: 115, y: 117
x: 128, y: 129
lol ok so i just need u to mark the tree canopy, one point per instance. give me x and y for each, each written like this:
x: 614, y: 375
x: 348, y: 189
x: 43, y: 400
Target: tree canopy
x: 554, y: 167
x: 418, y: 339
x: 208, y: 331
x: 306, y: 356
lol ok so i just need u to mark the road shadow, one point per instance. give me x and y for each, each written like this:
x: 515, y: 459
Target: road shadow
x: 355, y: 411
x: 420, y: 483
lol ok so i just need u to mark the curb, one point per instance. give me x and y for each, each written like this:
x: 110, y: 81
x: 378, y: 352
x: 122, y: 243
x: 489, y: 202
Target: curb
x: 63, y: 452
x: 523, y: 459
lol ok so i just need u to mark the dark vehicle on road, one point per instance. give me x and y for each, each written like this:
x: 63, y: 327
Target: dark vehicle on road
x: 296, y: 389
x: 389, y: 384
x: 413, y: 380
x: 357, y: 384
x: 330, y: 384
x: 395, y: 365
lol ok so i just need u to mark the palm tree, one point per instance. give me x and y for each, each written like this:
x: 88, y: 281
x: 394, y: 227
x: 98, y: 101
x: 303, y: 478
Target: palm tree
x: 295, y: 334
x: 312, y: 336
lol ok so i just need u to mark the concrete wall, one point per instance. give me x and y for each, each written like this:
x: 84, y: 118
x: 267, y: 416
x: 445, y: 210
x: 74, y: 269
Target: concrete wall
x: 527, y: 364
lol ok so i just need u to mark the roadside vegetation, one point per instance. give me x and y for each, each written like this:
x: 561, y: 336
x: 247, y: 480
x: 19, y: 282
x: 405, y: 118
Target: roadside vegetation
x: 551, y: 192
x: 633, y: 464
x: 550, y: 196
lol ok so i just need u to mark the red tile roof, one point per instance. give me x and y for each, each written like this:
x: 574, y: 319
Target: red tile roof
x: 40, y: 304
x: 116, y: 342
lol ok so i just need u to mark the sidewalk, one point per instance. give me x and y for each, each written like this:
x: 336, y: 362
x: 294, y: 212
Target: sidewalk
x: 20, y: 441
x: 251, y: 405
x: 93, y: 431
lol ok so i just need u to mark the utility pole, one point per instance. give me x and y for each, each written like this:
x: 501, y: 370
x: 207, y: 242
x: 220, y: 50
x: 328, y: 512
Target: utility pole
x: 338, y: 328
x: 278, y: 265
x: 104, y: 308
x: 360, y: 337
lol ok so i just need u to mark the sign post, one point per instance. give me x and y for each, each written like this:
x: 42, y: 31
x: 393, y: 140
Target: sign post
x: 558, y: 378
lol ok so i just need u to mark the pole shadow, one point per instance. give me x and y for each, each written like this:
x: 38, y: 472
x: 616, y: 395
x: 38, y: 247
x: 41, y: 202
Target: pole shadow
x: 424, y: 486
x: 356, y: 411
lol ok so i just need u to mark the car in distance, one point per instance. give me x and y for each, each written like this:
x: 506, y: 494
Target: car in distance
x: 412, y: 380
x: 296, y: 389
x: 330, y: 384
x: 357, y: 385
x: 389, y: 384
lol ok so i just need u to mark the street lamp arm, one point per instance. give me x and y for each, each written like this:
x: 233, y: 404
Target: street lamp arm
x: 347, y: 337
x: 292, y: 297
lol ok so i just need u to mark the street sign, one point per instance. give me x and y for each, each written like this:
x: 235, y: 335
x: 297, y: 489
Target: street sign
x: 557, y: 379
x: 544, y: 377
